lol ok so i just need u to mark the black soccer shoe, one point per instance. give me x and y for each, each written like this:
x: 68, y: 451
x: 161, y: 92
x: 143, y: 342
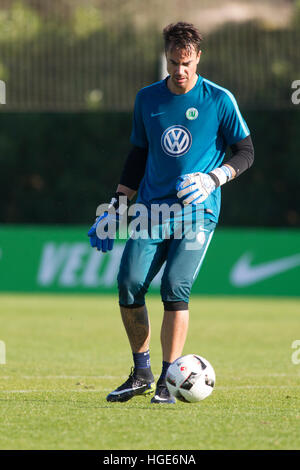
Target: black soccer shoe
x: 162, y: 394
x: 134, y: 385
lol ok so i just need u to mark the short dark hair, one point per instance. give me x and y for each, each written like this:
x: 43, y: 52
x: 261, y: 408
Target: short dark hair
x: 182, y: 35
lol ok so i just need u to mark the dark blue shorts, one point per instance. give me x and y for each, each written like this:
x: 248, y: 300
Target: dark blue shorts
x: 142, y: 259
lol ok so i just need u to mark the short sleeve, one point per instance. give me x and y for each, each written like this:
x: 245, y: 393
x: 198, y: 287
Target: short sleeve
x: 232, y: 123
x: 138, y: 134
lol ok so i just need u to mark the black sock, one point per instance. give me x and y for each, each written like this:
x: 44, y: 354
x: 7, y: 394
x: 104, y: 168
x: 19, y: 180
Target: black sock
x: 165, y: 366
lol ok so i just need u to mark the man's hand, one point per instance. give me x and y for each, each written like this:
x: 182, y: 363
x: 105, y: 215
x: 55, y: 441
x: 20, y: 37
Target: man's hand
x: 103, y: 232
x: 194, y: 188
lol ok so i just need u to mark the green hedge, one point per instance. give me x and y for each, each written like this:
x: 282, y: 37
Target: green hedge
x: 56, y: 168
x: 95, y: 55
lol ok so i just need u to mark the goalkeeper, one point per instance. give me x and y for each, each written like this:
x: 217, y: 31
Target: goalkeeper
x: 182, y: 126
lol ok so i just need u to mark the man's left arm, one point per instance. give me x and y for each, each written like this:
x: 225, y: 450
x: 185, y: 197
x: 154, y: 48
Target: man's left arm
x: 237, y: 135
x: 196, y: 187
x: 241, y: 159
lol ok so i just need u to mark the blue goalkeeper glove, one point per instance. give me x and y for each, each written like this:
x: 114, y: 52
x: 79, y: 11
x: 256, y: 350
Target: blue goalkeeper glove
x: 194, y: 188
x: 103, y: 232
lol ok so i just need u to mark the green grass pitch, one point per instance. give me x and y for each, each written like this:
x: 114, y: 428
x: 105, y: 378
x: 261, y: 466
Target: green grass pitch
x: 65, y: 353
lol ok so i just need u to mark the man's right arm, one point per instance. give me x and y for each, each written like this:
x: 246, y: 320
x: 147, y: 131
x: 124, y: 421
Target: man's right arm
x: 133, y: 171
x: 131, y: 177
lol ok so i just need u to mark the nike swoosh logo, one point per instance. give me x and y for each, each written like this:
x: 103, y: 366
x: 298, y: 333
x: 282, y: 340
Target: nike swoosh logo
x: 243, y: 274
x: 119, y: 392
x: 157, y: 114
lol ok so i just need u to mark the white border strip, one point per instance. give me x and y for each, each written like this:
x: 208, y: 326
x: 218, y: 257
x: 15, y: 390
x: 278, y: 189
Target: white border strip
x: 203, y: 255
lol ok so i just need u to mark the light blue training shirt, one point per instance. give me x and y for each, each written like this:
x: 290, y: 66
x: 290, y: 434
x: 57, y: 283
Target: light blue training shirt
x: 184, y: 134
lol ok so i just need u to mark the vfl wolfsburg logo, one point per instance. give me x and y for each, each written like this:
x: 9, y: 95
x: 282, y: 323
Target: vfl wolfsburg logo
x: 176, y: 141
x: 192, y: 114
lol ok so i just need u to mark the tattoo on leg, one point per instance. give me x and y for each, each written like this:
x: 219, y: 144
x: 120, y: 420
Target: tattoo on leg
x: 137, y: 327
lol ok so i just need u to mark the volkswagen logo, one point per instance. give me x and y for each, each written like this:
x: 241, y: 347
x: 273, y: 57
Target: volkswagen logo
x: 176, y: 141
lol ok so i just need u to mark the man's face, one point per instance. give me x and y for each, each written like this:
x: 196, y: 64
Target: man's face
x: 182, y: 68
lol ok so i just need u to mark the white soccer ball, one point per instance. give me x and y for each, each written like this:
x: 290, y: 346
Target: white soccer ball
x: 190, y: 378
